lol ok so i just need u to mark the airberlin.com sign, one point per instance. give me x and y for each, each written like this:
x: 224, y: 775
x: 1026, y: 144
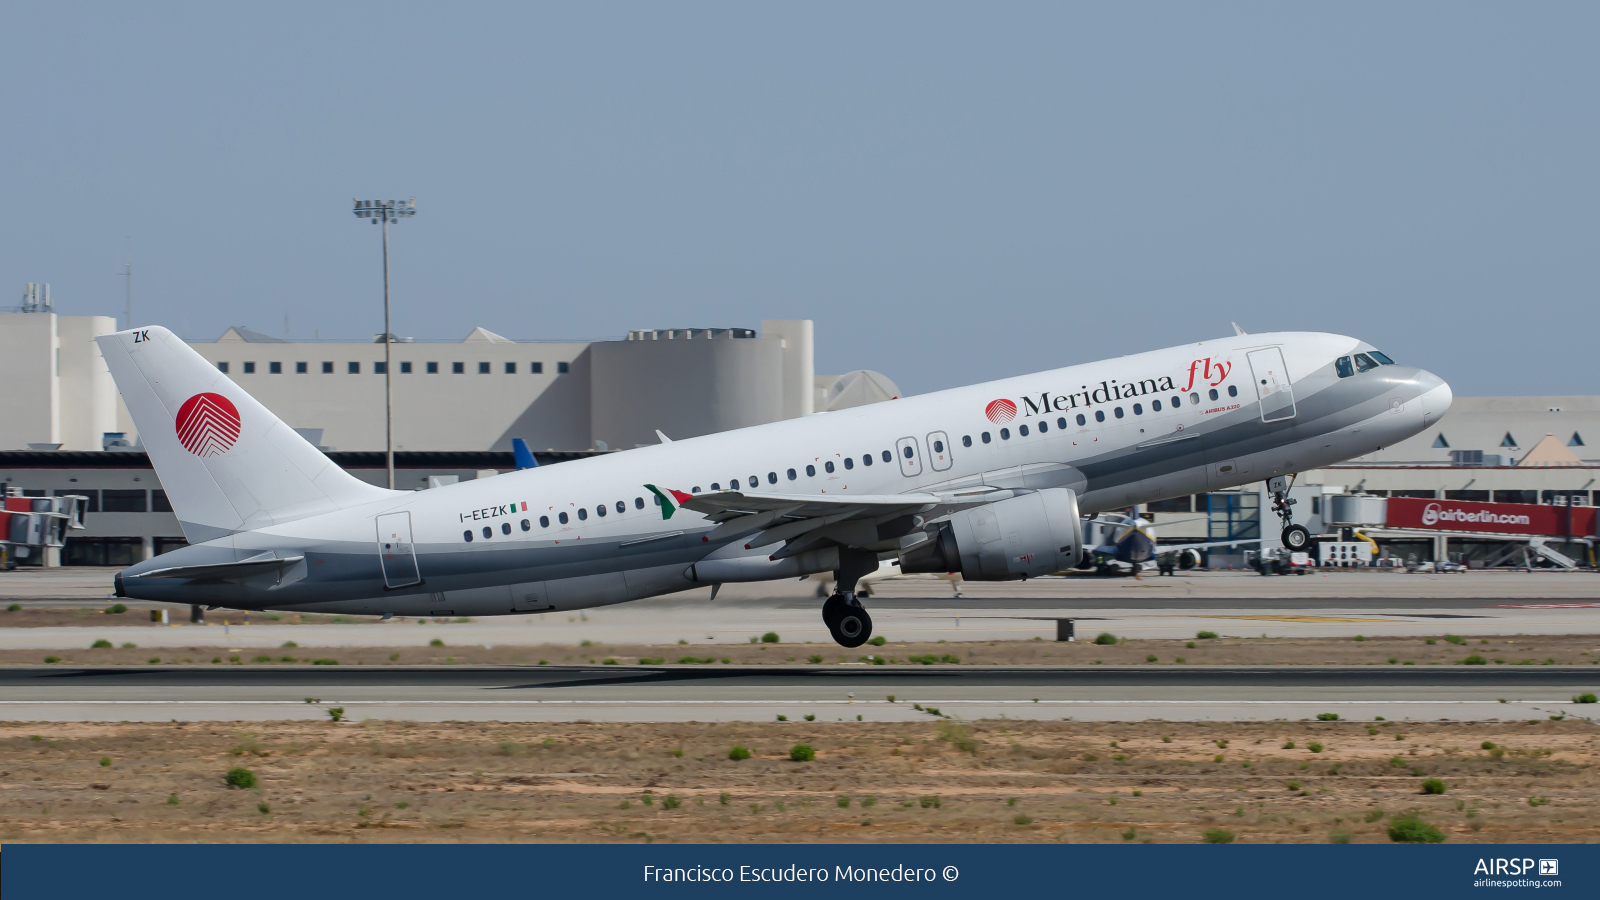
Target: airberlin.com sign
x: 1497, y: 518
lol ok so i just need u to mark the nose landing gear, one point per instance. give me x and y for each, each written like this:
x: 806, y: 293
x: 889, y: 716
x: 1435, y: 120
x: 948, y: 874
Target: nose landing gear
x: 1294, y: 537
x: 847, y: 621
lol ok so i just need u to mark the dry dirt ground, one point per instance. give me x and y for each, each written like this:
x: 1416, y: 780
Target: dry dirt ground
x: 1441, y: 650
x: 942, y: 780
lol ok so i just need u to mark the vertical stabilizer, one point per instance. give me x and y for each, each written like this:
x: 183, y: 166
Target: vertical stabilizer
x: 226, y: 462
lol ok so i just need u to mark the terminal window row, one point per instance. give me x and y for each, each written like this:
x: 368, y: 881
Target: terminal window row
x: 354, y: 368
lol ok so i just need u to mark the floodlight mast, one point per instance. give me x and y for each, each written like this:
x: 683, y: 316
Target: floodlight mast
x: 387, y: 211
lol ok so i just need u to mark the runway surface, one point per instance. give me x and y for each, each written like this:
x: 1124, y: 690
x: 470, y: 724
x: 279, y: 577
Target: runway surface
x: 762, y: 693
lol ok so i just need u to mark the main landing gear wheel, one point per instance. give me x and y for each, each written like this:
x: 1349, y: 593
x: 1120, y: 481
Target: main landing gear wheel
x: 1296, y: 538
x: 847, y: 622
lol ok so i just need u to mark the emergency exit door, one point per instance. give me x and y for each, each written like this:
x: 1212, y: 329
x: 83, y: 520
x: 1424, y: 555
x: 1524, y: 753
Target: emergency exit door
x: 1272, y: 384
x: 910, y: 460
x: 396, y: 554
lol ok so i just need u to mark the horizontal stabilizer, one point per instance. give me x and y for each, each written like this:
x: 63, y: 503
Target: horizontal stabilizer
x: 228, y: 571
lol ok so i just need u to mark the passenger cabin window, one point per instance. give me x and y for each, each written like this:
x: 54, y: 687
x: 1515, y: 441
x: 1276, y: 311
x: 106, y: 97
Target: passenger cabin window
x: 811, y: 471
x: 887, y: 456
x: 986, y: 437
x: 488, y: 532
x: 907, y: 450
x: 583, y: 513
x: 1022, y: 430
x: 1138, y: 409
x: 622, y: 507
x: 1155, y: 406
x: 791, y: 474
x: 1195, y: 398
x: 1343, y: 367
x: 1213, y: 393
x: 526, y: 525
x: 1118, y: 412
x: 600, y: 510
x: 505, y: 527
x: 772, y: 478
x: 638, y: 503
x: 828, y: 466
x: 562, y: 518
x: 1061, y: 423
x: 1364, y: 363
x: 938, y: 447
x: 1081, y: 420
x: 966, y: 440
x: 1233, y: 390
x: 1043, y: 427
x: 1005, y: 434
x: 849, y: 462
x: 1099, y: 415
x: 467, y: 535
x: 866, y: 459
x: 1380, y: 358
x: 1176, y: 401
x: 715, y: 486
x: 544, y: 521
x: 693, y: 490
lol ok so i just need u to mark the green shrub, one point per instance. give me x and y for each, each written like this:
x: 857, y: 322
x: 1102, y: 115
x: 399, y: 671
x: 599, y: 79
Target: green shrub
x: 1487, y: 745
x: 436, y: 642
x: 814, y: 658
x: 1584, y: 698
x: 105, y: 760
x: 770, y: 637
x: 1150, y: 657
x: 802, y: 753
x: 1294, y: 785
x: 324, y: 662
x: 1191, y: 645
x: 1130, y: 834
x: 1217, y: 836
x: 878, y: 640
x: 670, y: 802
x: 1327, y: 717
x: 172, y: 799
x: 843, y: 802
x: 1432, y: 786
x: 1022, y: 819
x: 738, y: 753
x: 1105, y: 638
x: 1206, y: 635
x: 1456, y: 639
x: 1373, y: 815
x: 153, y: 660
x: 263, y: 658
x: 336, y: 713
x: 1339, y: 836
x: 289, y: 644
x: 263, y: 808
x: 932, y: 802
x: 609, y: 661
x: 811, y: 717
x: 782, y: 717
x: 15, y: 607
x: 724, y: 797
x: 651, y: 660
x: 117, y: 608
x: 1359, y: 637
x: 1314, y: 746
x: 240, y: 777
x: 52, y: 659
x: 869, y: 802
x: 101, y: 644
x: 1409, y: 829
x: 1538, y: 801
x: 1474, y: 660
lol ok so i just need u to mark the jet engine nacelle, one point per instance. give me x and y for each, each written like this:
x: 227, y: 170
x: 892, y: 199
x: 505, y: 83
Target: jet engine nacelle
x: 1023, y: 537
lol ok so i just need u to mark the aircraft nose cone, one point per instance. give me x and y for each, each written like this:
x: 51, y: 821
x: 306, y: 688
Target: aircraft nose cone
x: 1436, y: 396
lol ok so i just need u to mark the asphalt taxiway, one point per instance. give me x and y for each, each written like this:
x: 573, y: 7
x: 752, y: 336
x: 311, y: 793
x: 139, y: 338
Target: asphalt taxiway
x: 763, y: 693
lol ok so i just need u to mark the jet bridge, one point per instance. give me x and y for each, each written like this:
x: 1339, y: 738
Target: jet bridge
x: 34, y: 529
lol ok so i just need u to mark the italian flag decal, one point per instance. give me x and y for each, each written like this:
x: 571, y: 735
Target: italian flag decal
x: 669, y: 504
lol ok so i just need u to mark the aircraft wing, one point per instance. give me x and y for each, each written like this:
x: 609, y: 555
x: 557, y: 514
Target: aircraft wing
x: 1179, y: 548
x: 868, y: 521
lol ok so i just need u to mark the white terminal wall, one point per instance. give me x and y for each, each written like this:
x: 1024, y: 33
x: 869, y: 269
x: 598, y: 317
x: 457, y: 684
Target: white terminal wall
x: 54, y: 387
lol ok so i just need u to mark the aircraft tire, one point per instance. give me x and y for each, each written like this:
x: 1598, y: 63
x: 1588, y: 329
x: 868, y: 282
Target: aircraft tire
x: 1296, y: 537
x: 851, y: 627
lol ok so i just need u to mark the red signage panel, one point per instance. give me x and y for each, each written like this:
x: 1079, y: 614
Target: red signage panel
x: 1496, y: 518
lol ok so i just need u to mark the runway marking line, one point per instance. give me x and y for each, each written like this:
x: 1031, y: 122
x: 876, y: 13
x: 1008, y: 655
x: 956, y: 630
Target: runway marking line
x: 1312, y: 619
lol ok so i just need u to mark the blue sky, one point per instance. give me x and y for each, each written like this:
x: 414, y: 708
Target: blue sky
x: 954, y: 192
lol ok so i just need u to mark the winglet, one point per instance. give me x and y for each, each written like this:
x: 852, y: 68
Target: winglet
x: 523, y: 456
x: 1237, y: 330
x: 664, y: 438
x: 668, y: 507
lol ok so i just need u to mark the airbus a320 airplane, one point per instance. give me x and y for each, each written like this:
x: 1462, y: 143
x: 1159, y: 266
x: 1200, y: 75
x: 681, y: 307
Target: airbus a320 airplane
x: 990, y: 481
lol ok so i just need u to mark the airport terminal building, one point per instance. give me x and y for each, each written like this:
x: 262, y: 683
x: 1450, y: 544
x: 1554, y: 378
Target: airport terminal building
x: 458, y: 404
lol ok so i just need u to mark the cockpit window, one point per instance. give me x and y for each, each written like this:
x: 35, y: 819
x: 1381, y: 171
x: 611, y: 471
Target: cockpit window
x: 1381, y: 358
x: 1364, y: 363
x: 1343, y: 367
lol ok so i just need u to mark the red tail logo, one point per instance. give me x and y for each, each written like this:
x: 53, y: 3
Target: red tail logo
x: 1000, y: 411
x: 208, y: 424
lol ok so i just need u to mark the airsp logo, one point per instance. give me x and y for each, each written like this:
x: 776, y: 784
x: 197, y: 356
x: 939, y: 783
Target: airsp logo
x: 207, y: 424
x: 1430, y: 514
x: 1000, y: 411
